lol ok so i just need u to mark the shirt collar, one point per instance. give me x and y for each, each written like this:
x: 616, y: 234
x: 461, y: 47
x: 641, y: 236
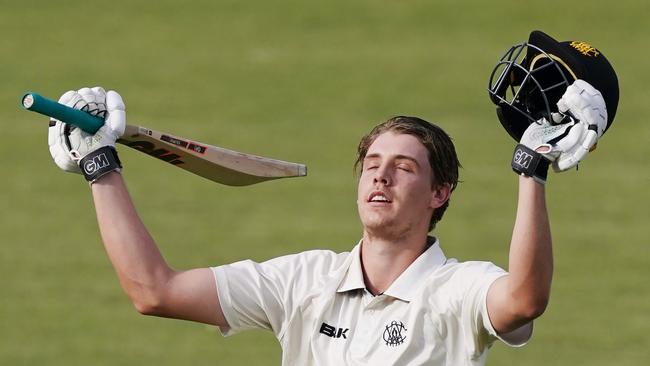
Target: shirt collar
x: 353, y: 278
x: 407, y: 284
x: 410, y: 281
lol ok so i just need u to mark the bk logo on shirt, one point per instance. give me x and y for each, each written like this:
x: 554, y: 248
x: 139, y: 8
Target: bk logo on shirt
x: 332, y: 331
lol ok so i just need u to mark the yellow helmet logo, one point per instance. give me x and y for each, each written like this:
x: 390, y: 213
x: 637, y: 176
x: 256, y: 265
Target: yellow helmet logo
x: 585, y: 48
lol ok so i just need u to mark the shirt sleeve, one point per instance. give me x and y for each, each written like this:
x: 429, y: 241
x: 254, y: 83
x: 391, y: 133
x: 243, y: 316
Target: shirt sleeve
x: 264, y: 295
x: 476, y: 279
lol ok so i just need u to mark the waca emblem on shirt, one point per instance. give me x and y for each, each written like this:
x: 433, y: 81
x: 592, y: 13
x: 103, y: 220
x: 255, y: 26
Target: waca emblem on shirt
x: 394, y: 334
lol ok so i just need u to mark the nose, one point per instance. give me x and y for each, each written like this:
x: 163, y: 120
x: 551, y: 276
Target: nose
x: 382, y: 176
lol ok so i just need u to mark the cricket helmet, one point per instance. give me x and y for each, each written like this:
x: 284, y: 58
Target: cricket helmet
x: 531, y: 77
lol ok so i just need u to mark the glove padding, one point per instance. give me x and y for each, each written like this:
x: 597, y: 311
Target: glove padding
x: 585, y: 104
x: 69, y: 144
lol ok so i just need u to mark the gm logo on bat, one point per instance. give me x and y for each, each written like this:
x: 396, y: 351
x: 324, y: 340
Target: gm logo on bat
x: 96, y: 163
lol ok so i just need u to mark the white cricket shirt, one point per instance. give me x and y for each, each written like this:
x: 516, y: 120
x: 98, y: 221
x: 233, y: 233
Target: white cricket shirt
x: 316, y: 303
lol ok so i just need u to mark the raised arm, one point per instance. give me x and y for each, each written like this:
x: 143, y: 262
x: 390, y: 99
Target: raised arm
x: 523, y: 294
x: 153, y: 286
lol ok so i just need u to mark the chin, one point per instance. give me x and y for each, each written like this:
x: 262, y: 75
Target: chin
x: 375, y: 220
x: 382, y: 227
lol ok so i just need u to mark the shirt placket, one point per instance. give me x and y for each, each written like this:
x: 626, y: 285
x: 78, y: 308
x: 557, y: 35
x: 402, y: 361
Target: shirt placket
x: 366, y: 332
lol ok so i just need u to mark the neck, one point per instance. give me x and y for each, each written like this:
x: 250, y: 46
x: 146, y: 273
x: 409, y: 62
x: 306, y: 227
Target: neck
x: 384, y: 259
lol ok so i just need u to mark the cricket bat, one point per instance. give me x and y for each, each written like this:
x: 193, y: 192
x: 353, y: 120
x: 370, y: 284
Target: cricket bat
x: 211, y: 162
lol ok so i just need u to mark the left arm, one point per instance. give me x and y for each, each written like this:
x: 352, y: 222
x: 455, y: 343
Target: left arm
x: 522, y: 295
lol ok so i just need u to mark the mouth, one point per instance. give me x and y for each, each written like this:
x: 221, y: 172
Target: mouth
x: 379, y: 197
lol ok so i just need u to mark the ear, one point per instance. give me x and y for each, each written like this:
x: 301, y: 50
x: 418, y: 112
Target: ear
x: 440, y: 195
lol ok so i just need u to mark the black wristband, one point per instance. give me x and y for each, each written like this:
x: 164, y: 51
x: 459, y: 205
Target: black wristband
x: 99, y: 162
x: 528, y: 162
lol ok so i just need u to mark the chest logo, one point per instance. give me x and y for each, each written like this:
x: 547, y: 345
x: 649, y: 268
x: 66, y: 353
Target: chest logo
x: 395, y: 333
x: 332, y: 331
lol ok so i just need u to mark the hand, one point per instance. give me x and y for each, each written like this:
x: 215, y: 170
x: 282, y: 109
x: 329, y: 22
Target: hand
x: 70, y: 145
x: 541, y: 144
x: 551, y: 139
x: 565, y: 140
x: 587, y: 106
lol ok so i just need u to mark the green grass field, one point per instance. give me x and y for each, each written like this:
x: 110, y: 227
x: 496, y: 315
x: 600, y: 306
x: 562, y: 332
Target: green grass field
x: 302, y: 81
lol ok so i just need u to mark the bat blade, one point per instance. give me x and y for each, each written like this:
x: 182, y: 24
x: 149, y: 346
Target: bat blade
x: 217, y: 164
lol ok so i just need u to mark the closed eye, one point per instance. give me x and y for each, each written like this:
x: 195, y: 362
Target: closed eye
x: 404, y: 167
x: 371, y: 163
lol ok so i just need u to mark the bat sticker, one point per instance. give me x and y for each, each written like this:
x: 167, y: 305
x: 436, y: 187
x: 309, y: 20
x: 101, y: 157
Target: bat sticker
x: 174, y: 141
x: 150, y: 149
x: 197, y: 148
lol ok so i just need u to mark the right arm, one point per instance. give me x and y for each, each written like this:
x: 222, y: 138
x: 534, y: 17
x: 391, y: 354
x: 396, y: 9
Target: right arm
x: 153, y: 286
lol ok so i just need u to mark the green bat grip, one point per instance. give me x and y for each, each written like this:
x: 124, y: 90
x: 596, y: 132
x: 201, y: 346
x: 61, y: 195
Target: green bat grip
x: 39, y: 104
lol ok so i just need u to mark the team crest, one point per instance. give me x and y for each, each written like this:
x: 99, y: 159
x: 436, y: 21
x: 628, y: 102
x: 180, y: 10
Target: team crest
x: 395, y: 333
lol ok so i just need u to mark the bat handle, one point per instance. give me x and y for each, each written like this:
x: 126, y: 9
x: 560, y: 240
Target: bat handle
x: 39, y: 104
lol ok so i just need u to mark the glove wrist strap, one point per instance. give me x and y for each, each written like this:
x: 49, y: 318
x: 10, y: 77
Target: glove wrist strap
x: 528, y: 162
x: 99, y: 163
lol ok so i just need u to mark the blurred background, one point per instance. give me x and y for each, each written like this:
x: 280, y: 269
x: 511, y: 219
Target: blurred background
x: 303, y: 81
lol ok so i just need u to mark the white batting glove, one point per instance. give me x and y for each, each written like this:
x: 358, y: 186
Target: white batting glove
x: 586, y: 104
x: 550, y: 138
x: 69, y: 145
x: 566, y: 140
x: 541, y: 144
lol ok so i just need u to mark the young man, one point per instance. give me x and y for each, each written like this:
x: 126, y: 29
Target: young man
x: 395, y: 299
